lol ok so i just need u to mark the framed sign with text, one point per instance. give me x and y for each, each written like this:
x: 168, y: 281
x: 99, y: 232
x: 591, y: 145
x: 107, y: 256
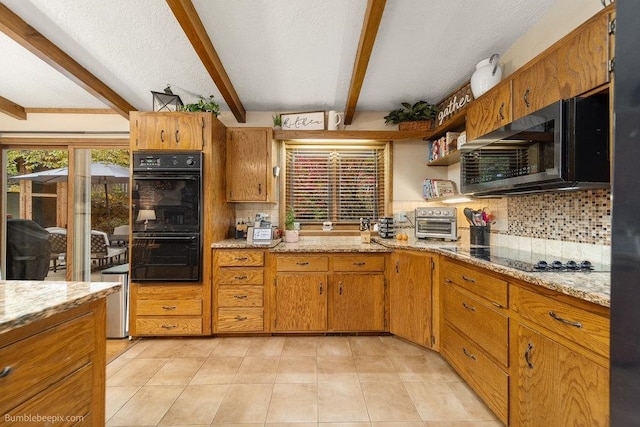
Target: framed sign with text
x: 313, y: 120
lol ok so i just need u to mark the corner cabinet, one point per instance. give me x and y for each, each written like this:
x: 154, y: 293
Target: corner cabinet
x: 249, y: 165
x: 169, y: 131
x: 410, y: 296
x: 489, y: 112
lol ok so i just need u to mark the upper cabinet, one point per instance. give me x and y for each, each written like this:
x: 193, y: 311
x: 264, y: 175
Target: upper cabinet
x: 249, y: 162
x: 576, y: 64
x: 490, y: 111
x: 169, y: 131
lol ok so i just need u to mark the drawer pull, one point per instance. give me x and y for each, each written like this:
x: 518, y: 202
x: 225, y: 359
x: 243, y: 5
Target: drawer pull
x: 359, y: 264
x: 241, y: 318
x: 469, y: 355
x: 321, y: 288
x: 527, y: 355
x: 241, y: 277
x: 340, y: 287
x: 565, y: 321
x: 5, y: 372
x: 302, y: 263
x: 468, y: 307
x: 468, y: 279
x: 448, y: 281
x: 240, y: 296
x: 168, y: 307
x: 241, y: 258
x: 169, y: 326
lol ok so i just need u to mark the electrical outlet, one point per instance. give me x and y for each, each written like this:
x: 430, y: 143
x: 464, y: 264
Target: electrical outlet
x: 400, y: 217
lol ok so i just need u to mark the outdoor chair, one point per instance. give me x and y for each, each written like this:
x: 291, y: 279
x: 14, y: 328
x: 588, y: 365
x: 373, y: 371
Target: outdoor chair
x: 58, y: 242
x: 102, y: 252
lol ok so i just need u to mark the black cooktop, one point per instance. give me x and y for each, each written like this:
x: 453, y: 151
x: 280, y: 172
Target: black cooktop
x: 528, y: 261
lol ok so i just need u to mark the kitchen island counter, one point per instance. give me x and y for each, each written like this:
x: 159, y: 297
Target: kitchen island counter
x: 25, y: 301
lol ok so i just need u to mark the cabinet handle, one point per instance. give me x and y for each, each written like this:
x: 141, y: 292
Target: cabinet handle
x: 448, y: 281
x: 468, y: 279
x: 359, y: 264
x: 469, y: 355
x: 501, y: 111
x: 162, y: 135
x: 340, y: 287
x: 468, y: 307
x: 168, y: 307
x: 259, y: 188
x: 525, y: 97
x: 177, y: 136
x: 169, y: 326
x: 302, y: 263
x: 321, y: 288
x: 240, y: 277
x: 241, y: 318
x: 6, y: 371
x: 244, y: 258
x: 240, y: 296
x: 527, y: 355
x: 397, y: 266
x: 565, y: 321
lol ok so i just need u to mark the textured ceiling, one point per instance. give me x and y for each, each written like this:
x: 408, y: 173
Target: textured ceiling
x: 281, y: 55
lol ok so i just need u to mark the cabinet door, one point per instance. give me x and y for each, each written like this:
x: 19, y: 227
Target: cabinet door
x: 410, y: 297
x: 536, y: 86
x: 556, y: 385
x: 301, y: 302
x: 167, y: 131
x: 249, y: 165
x: 489, y: 112
x: 358, y: 302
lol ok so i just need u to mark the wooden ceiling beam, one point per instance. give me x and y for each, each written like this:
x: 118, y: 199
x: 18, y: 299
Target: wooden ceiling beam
x: 191, y: 24
x: 372, y: 18
x: 29, y: 38
x: 12, y: 109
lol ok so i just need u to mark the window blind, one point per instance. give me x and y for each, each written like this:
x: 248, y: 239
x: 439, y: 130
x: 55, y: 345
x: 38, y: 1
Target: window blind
x: 338, y: 185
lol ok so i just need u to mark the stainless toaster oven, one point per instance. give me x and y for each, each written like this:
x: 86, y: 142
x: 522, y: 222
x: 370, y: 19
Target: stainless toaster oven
x: 436, y: 223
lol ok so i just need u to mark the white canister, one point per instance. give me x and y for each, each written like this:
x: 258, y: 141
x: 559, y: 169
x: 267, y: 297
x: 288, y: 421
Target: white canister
x: 488, y: 74
x: 333, y: 120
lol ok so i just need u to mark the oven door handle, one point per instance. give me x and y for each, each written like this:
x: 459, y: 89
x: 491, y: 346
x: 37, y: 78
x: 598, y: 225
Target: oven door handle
x: 165, y: 238
x: 435, y: 220
x: 156, y: 176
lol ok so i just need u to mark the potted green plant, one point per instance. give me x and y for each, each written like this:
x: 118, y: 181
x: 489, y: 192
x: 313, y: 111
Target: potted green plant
x: 203, y: 105
x: 277, y: 121
x: 418, y: 116
x: 290, y: 233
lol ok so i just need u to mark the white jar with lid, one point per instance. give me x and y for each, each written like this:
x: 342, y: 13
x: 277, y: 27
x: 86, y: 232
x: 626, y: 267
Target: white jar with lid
x: 488, y: 74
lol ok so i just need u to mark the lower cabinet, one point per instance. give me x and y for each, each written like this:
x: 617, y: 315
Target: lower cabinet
x: 301, y: 302
x: 358, y: 302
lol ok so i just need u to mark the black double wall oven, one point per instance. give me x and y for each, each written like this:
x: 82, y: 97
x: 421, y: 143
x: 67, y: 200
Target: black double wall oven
x: 167, y: 217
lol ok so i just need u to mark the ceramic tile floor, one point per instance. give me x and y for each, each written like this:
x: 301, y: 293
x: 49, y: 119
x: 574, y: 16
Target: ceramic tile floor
x: 306, y: 381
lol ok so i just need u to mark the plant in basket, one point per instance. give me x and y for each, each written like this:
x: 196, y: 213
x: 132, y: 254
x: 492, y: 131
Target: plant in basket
x: 417, y: 116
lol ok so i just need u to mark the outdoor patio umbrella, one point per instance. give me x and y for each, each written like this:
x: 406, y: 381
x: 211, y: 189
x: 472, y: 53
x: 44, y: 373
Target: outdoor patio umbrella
x: 101, y: 173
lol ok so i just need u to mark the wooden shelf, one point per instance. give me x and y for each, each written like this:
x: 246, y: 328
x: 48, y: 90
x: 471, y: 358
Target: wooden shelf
x: 456, y: 122
x: 376, y: 135
x: 449, y: 159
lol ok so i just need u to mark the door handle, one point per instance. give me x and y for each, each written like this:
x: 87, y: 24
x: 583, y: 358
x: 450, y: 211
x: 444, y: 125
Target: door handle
x: 527, y: 355
x: 525, y: 97
x: 501, y: 111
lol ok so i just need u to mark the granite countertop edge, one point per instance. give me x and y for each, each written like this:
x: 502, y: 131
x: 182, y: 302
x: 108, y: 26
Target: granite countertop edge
x: 28, y: 312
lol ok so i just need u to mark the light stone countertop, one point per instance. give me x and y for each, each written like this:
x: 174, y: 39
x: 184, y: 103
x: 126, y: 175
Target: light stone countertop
x: 25, y: 301
x: 593, y: 287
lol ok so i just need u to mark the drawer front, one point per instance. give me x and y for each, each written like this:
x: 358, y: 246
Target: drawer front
x: 485, y: 325
x: 169, y: 325
x: 240, y: 276
x: 358, y: 263
x: 302, y: 263
x: 38, y: 361
x: 485, y: 285
x: 240, y: 296
x: 155, y: 307
x: 486, y: 378
x: 587, y: 329
x: 240, y: 320
x: 240, y: 258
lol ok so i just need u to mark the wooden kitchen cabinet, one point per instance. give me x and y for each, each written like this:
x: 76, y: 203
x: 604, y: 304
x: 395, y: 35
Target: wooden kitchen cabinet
x: 238, y: 286
x: 475, y: 331
x: 157, y: 310
x: 410, y: 296
x: 489, y: 112
x: 56, y: 366
x: 301, y: 302
x: 178, y: 131
x: 249, y: 165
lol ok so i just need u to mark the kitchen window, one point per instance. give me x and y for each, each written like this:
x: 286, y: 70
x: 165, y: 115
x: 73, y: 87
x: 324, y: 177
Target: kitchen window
x: 339, y: 184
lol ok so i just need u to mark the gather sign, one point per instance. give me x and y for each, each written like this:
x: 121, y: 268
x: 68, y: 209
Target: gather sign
x: 454, y: 103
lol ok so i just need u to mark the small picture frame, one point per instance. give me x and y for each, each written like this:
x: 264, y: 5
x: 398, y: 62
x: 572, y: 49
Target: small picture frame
x: 312, y: 120
x: 262, y: 236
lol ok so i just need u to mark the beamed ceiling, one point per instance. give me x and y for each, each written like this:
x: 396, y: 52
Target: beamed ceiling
x: 252, y: 55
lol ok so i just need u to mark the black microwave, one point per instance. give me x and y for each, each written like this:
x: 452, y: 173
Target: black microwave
x: 564, y: 146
